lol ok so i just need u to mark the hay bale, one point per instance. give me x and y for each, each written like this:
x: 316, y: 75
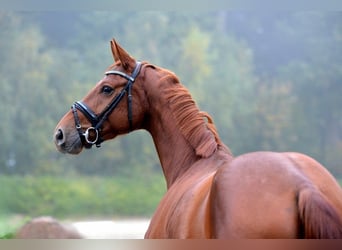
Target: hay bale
x: 47, y: 228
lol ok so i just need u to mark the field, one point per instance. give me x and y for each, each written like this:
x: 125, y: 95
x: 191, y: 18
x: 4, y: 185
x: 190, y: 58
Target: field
x: 77, y: 198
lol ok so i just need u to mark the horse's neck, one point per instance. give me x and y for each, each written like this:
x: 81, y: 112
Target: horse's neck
x: 177, y: 126
x: 175, y: 153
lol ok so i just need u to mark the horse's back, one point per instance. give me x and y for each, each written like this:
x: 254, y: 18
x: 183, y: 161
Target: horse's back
x: 256, y: 194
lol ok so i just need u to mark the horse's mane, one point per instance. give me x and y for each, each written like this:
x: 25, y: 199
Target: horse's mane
x: 196, y: 126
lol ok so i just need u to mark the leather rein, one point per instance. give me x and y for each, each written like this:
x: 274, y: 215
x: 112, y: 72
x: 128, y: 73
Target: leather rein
x: 91, y: 135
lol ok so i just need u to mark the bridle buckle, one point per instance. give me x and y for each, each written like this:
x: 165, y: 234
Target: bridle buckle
x: 90, y: 133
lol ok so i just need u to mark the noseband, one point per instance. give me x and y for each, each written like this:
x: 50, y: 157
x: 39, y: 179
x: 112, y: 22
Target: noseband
x: 92, y: 134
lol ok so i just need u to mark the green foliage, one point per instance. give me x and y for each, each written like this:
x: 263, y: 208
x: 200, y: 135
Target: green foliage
x: 7, y: 236
x: 9, y: 224
x: 80, y: 197
x: 271, y: 82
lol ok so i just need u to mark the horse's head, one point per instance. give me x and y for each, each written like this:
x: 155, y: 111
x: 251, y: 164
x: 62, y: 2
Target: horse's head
x: 114, y: 106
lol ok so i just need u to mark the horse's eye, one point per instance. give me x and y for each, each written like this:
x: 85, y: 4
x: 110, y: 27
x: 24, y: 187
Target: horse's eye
x: 107, y: 90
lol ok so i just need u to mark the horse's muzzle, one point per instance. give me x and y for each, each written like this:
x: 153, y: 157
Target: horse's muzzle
x: 67, y: 143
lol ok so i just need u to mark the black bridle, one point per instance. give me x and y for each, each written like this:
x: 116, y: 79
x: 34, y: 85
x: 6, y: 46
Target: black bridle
x: 91, y: 135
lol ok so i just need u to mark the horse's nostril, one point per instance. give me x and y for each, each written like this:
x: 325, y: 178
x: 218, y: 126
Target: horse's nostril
x: 59, y: 134
x: 59, y: 137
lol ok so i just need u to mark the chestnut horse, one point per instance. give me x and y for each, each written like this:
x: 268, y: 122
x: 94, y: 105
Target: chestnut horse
x: 210, y: 193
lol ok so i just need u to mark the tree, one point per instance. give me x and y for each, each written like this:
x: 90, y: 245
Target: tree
x: 317, y: 89
x: 25, y: 96
x: 259, y: 76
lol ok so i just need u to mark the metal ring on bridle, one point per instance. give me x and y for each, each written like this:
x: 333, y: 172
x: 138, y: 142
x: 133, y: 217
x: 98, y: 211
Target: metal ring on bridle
x: 91, y: 130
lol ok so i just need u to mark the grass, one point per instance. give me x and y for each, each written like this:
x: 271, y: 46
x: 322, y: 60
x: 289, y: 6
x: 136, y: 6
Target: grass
x: 80, y: 196
x: 24, y: 197
x: 9, y: 224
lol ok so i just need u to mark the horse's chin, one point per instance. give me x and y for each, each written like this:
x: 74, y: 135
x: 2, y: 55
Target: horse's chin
x: 70, y: 150
x: 75, y: 150
x: 73, y: 147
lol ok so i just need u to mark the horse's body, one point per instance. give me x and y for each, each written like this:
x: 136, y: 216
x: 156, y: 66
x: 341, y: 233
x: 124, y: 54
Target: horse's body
x: 211, y: 194
x: 256, y: 195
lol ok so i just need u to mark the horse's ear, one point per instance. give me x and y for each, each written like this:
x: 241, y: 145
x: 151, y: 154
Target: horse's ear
x: 119, y: 54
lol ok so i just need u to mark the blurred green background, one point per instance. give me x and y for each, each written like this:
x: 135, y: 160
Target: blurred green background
x: 271, y: 81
